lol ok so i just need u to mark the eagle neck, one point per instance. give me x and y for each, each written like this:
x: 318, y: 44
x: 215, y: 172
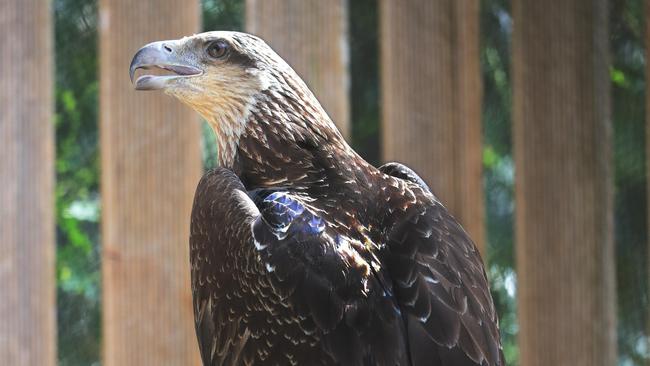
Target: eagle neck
x: 289, y: 142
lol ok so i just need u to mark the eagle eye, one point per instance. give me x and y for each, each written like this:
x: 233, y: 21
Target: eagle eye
x: 218, y: 49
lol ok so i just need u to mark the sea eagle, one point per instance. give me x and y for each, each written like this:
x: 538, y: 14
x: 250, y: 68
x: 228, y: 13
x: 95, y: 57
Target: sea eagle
x: 301, y: 252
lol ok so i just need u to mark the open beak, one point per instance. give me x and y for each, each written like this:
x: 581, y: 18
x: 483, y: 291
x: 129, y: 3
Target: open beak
x: 163, y: 55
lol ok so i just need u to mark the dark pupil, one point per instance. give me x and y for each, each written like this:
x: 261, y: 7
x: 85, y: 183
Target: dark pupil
x: 217, y: 49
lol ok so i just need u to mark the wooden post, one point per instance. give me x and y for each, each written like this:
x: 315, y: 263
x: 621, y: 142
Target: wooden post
x: 431, y: 100
x: 151, y: 163
x: 564, y: 215
x: 27, y: 275
x: 312, y: 36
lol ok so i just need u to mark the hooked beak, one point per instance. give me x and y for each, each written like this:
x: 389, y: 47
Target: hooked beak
x: 163, y: 55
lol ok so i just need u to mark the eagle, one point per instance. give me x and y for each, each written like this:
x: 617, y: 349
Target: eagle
x: 301, y: 252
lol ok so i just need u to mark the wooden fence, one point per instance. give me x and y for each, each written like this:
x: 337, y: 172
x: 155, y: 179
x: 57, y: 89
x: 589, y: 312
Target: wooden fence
x: 431, y: 116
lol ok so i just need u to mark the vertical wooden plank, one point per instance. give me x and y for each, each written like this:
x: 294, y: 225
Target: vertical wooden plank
x: 150, y: 167
x: 431, y: 100
x: 564, y: 215
x: 312, y: 36
x: 27, y: 277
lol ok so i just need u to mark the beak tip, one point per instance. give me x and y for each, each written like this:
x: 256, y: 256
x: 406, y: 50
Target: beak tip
x: 140, y: 59
x: 135, y: 64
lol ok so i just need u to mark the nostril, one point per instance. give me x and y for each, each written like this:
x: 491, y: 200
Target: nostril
x: 167, y: 48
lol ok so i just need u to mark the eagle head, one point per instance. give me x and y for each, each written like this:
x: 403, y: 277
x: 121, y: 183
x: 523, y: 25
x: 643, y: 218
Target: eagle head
x: 212, y: 72
x: 226, y: 77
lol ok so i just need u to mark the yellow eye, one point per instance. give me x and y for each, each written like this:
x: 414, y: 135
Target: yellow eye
x: 218, y: 49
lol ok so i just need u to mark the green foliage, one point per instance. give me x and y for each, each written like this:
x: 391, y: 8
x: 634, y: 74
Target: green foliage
x: 223, y: 15
x: 628, y: 101
x: 77, y: 174
x: 498, y: 166
x: 364, y: 75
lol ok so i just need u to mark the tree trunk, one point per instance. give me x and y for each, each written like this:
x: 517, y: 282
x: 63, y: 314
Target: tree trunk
x: 27, y: 244
x: 564, y: 215
x: 151, y: 164
x: 312, y: 36
x: 431, y: 100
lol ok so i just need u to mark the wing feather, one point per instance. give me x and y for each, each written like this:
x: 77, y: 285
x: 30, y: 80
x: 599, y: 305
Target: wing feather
x: 440, y: 282
x: 220, y: 214
x: 273, y: 283
x: 330, y: 282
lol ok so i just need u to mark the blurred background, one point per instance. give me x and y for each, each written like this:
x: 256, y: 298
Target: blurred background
x: 463, y: 91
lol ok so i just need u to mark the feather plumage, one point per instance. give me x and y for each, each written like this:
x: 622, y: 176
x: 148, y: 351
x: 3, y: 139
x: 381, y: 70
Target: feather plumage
x: 301, y: 252
x: 290, y: 285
